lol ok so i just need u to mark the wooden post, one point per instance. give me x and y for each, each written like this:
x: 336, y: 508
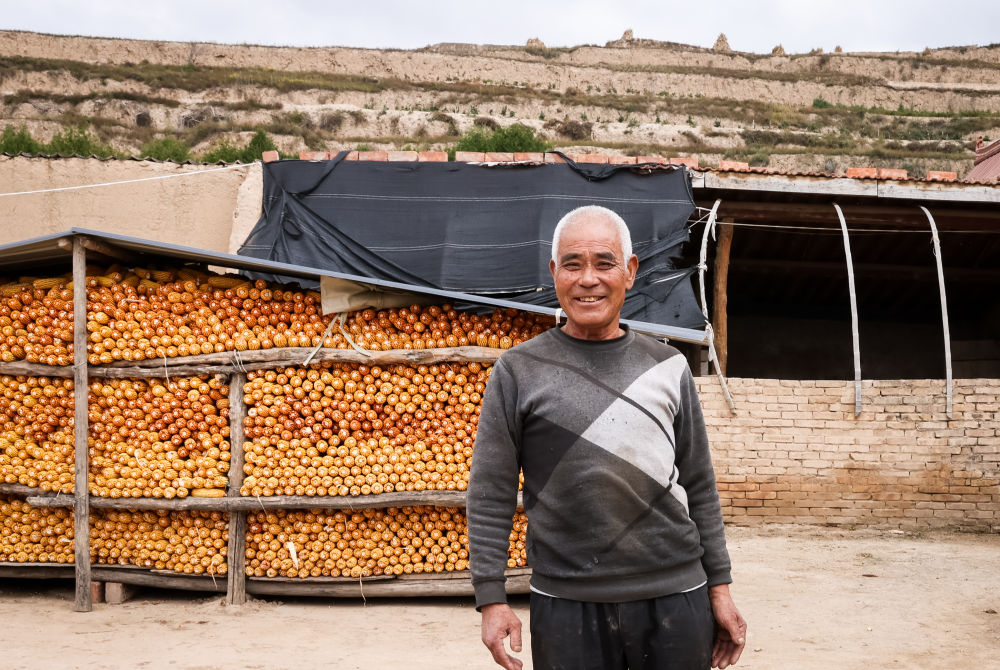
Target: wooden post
x: 720, y: 298
x: 81, y: 510
x: 236, y: 551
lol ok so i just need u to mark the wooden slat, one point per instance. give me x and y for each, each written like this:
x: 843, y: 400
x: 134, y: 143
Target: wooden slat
x: 159, y: 579
x: 24, y: 368
x: 244, y: 503
x: 261, y: 359
x: 10, y: 570
x: 395, y: 588
x: 81, y: 516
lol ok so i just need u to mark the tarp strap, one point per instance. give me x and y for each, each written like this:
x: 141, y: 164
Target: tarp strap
x: 328, y: 167
x: 944, y: 309
x: 713, y: 358
x: 854, y: 312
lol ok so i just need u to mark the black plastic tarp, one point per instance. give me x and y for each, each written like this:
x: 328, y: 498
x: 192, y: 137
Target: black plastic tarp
x: 470, y: 228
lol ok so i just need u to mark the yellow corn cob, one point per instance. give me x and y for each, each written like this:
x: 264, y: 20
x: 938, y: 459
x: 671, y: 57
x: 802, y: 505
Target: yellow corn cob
x: 162, y: 276
x: 226, y: 282
x: 49, y: 282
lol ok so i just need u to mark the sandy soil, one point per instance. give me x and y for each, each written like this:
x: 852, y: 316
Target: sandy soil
x: 814, y: 598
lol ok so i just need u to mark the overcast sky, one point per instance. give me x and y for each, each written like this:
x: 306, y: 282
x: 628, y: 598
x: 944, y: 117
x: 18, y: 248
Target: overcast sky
x: 750, y: 25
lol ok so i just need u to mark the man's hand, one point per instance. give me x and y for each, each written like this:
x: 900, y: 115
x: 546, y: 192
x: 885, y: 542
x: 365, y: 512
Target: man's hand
x: 732, y: 631
x: 499, y: 621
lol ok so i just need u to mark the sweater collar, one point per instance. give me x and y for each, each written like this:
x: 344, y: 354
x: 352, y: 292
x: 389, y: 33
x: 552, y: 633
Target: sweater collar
x: 595, y: 345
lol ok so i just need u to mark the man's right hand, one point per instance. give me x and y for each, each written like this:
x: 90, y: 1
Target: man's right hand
x: 499, y: 621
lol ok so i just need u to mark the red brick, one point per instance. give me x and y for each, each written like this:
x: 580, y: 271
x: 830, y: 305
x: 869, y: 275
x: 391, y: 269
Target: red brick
x: 269, y: 156
x: 862, y: 173
x: 314, y: 155
x: 938, y: 175
x: 500, y: 157
x: 401, y: 156
x: 622, y: 160
x: 432, y: 156
x: 735, y: 166
x: 351, y: 156
x: 591, y: 158
x: 651, y: 159
x: 554, y: 158
x: 532, y: 156
x: 690, y: 161
x: 892, y: 173
x: 373, y: 156
x: 469, y: 157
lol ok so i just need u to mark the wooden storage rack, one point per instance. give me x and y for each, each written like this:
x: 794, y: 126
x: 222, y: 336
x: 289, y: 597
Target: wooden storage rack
x: 233, y: 366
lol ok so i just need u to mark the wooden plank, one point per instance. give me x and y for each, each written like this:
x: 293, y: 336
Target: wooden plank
x: 163, y: 581
x: 244, y: 503
x: 938, y: 191
x: 19, y: 490
x: 251, y: 359
x: 751, y: 181
x: 26, y: 369
x: 81, y: 510
x: 720, y: 323
x: 111, y: 251
x: 395, y: 588
x: 36, y: 570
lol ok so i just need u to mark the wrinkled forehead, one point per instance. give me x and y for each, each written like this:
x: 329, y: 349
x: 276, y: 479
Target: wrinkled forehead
x: 593, y: 230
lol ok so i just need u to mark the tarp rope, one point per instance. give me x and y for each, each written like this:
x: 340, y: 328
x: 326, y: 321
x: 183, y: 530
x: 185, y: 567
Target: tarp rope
x: 713, y: 358
x: 944, y: 309
x: 130, y: 181
x: 854, y: 312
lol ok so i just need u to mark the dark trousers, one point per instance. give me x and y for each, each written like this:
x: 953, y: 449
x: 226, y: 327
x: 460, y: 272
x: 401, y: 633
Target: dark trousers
x: 673, y: 632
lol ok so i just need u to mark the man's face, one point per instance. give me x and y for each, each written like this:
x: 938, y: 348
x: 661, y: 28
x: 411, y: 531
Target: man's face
x: 591, y: 277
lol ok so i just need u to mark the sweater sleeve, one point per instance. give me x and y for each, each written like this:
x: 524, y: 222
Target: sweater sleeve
x: 492, y: 494
x: 696, y: 475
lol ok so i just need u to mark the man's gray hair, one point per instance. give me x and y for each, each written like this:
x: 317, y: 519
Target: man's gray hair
x: 593, y: 210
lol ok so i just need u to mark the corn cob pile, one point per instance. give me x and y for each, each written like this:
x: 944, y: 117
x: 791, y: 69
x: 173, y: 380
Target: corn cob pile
x: 35, y: 535
x: 150, y: 438
x: 36, y: 432
x: 345, y: 429
x: 393, y: 541
x: 185, y: 542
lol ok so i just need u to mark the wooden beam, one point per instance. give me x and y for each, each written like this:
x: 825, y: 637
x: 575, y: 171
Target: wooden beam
x: 236, y: 551
x: 112, y: 251
x: 876, y: 215
x: 19, y: 368
x: 720, y: 277
x: 247, y: 503
x: 81, y: 510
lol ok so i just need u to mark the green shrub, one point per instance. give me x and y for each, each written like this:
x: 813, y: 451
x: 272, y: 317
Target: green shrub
x: 18, y: 141
x: 166, y: 149
x: 78, y: 141
x: 517, y: 137
x: 820, y: 103
x: 228, y: 153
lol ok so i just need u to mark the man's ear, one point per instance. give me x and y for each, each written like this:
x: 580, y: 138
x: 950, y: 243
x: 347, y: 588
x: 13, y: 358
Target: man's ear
x: 632, y: 268
x: 552, y: 269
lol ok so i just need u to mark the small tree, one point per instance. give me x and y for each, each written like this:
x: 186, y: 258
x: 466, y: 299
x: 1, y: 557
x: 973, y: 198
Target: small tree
x: 517, y: 137
x: 79, y: 142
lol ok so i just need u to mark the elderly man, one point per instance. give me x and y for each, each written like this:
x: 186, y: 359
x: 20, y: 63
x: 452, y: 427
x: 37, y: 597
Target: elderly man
x: 625, y: 535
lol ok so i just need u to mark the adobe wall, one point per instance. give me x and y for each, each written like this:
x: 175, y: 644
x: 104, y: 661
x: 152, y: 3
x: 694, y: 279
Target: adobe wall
x: 197, y: 210
x: 795, y: 453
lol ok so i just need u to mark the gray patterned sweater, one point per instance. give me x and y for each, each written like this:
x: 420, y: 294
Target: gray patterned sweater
x: 618, y: 481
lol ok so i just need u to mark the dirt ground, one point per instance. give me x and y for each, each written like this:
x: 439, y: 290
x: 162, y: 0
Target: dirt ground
x: 815, y: 598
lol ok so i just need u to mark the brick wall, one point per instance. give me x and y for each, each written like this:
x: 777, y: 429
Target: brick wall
x: 795, y: 453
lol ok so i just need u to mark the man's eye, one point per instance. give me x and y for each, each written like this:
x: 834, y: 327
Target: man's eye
x: 606, y: 265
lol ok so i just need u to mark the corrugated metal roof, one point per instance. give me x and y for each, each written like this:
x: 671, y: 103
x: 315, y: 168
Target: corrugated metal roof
x: 56, y: 250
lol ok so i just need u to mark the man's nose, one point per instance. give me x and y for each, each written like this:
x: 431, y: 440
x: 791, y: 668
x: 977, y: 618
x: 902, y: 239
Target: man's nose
x: 588, y: 277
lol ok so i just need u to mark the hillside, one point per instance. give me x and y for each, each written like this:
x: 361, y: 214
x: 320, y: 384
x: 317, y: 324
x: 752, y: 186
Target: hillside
x: 816, y: 111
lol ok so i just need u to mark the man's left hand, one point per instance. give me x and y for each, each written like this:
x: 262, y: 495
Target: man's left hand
x: 732, y: 630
